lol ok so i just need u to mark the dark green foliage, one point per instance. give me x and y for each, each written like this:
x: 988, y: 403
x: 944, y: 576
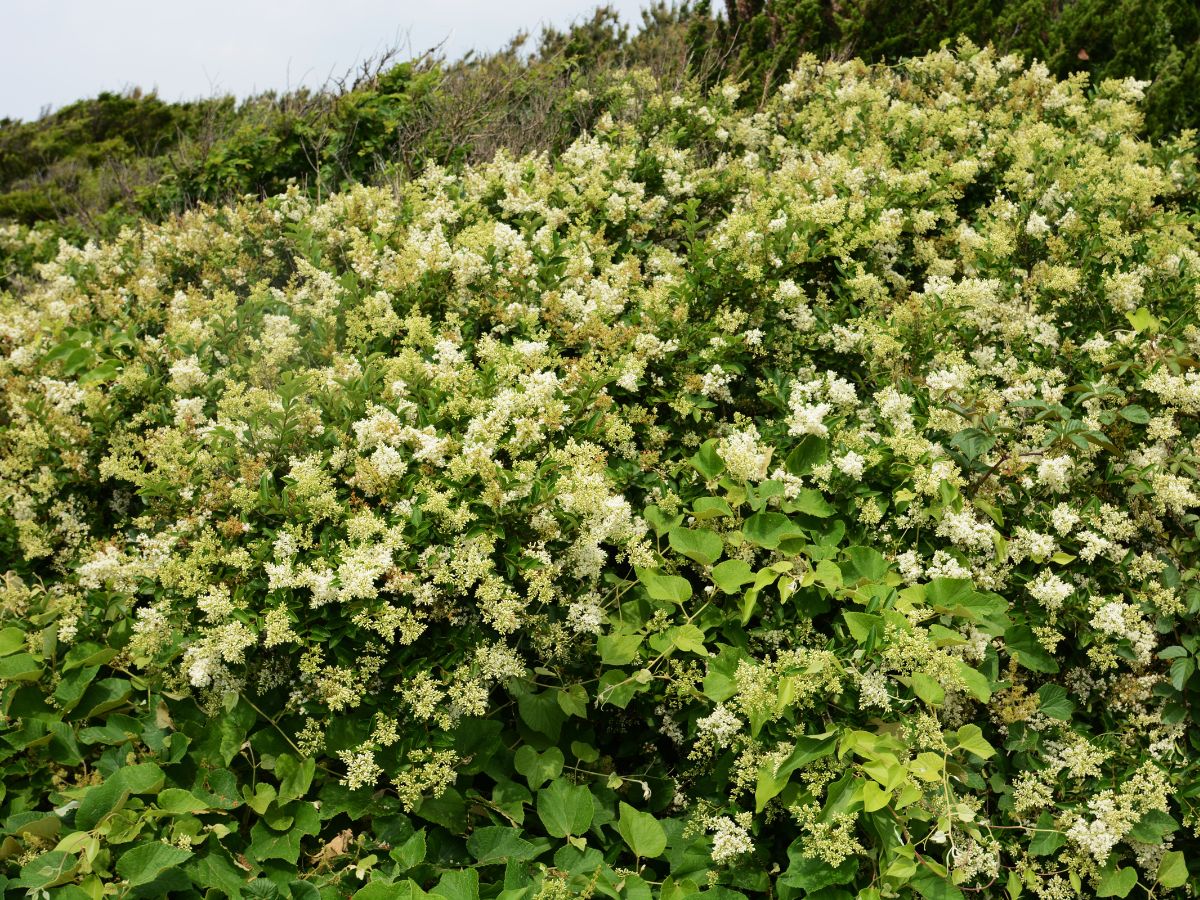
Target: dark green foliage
x: 101, y: 163
x: 1154, y: 40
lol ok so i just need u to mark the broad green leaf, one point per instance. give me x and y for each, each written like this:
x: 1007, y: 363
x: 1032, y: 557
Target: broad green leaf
x: 411, y: 853
x: 731, y: 575
x: 458, y: 884
x: 970, y: 738
x: 812, y: 503
x: 1143, y: 320
x: 976, y: 682
x: 705, y: 508
x: 671, y: 588
x: 707, y: 461
x: 874, y: 797
x: 860, y: 624
x: 1172, y: 869
x: 1116, y: 882
x: 47, y: 870
x: 1053, y: 702
x: 99, y: 801
x: 145, y: 862
x: 380, y: 889
x: 565, y: 809
x: 12, y: 639
x: 659, y: 521
x: 810, y: 451
x: 1136, y: 414
x: 928, y: 689
x: 1046, y: 839
x: 538, y: 768
x: 542, y: 713
x: 618, y: 649
x: 1152, y: 827
x: 700, y: 545
x: 180, y: 802
x: 20, y: 667
x: 867, y: 562
x: 294, y: 776
x: 932, y: 886
x: 642, y: 832
x: 767, y: 529
x: 1025, y: 648
x: 499, y: 843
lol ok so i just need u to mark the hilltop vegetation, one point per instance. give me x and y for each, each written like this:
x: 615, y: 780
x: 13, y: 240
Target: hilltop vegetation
x: 786, y: 496
x: 101, y: 163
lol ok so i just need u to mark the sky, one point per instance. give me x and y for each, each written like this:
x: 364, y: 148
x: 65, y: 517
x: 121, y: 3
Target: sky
x: 57, y: 51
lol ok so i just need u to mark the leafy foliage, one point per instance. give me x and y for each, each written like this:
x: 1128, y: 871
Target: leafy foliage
x: 786, y: 501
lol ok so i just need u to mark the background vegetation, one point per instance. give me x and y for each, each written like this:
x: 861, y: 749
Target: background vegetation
x: 99, y: 163
x: 642, y: 468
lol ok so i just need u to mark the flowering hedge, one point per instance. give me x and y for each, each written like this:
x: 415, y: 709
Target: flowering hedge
x: 796, y: 503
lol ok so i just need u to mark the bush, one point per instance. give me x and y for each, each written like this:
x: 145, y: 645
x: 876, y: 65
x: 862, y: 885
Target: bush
x: 795, y: 502
x: 1157, y: 41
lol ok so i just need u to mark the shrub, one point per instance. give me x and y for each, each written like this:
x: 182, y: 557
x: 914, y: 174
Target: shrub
x: 789, y: 502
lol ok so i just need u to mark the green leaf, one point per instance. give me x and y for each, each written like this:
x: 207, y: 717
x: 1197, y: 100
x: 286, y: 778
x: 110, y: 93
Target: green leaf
x: 928, y: 689
x: 773, y: 779
x: 688, y: 638
x: 948, y: 594
x: 932, y: 886
x: 659, y: 521
x: 701, y: 545
x: 812, y: 875
x: 573, y: 700
x: 390, y: 890
x: 867, y: 562
x: 458, y: 884
x: 618, y: 649
x: 145, y: 862
x: 707, y: 461
x: 12, y: 639
x: 411, y: 853
x: 1182, y: 670
x: 812, y: 503
x: 1152, y: 827
x: 1172, y: 869
x: 705, y: 508
x: 976, y: 682
x: 860, y: 624
x: 671, y: 588
x: 1136, y: 414
x: 1053, y: 702
x: 970, y: 738
x: 1143, y: 320
x: 20, y: 667
x: 973, y: 442
x: 542, y: 713
x: 1046, y: 839
x: 767, y: 529
x: 641, y: 832
x: 730, y: 575
x: 538, y: 768
x: 47, y: 870
x: 499, y: 843
x: 1025, y: 648
x: 874, y: 797
x: 179, y: 802
x: 565, y: 809
x: 1116, y: 882
x: 99, y: 801
x: 294, y: 776
x: 810, y: 451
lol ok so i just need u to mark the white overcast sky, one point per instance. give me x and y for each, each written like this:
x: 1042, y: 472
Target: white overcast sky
x: 57, y: 51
